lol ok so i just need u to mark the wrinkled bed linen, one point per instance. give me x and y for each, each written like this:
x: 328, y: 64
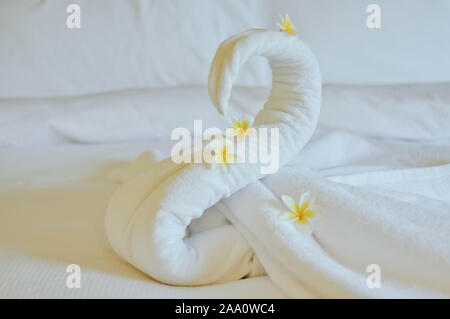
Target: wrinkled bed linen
x: 38, y: 197
x: 413, y: 112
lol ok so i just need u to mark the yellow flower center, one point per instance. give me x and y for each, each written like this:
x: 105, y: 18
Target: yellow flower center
x: 302, y: 212
x: 223, y: 156
x: 286, y: 26
x: 241, y: 128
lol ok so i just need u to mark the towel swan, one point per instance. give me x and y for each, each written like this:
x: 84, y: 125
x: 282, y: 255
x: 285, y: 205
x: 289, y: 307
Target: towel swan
x: 148, y: 216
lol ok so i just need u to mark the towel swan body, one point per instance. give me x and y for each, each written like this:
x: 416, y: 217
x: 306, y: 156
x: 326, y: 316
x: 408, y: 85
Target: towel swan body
x: 147, y: 217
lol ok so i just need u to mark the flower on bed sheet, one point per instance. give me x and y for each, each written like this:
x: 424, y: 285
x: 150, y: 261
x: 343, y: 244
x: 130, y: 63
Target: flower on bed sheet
x: 302, y: 213
x: 242, y: 127
x: 286, y: 25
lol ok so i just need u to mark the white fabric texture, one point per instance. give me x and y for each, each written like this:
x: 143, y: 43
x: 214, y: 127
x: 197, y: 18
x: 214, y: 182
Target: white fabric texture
x: 50, y: 219
x: 380, y: 156
x: 45, y: 228
x: 41, y: 57
x: 407, y: 238
x: 148, y: 217
x: 413, y: 112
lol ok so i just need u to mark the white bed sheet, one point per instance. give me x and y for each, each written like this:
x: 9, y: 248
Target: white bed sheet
x: 53, y: 193
x: 418, y: 111
x: 50, y: 219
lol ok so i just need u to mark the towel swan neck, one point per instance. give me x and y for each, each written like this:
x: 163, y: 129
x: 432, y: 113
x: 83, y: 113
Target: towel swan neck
x: 294, y: 102
x: 147, y: 217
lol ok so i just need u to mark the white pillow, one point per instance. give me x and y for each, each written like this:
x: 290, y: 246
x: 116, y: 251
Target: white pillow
x: 140, y: 43
x: 416, y: 112
x: 121, y: 45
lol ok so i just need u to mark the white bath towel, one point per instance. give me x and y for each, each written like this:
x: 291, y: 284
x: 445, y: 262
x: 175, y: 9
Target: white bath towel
x: 153, y: 220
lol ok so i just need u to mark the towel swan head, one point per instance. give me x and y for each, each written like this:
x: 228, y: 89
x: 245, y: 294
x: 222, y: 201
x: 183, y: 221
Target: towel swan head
x: 294, y: 103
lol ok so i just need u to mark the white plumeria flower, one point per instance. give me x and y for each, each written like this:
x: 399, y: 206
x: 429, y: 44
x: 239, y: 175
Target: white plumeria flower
x: 224, y: 154
x: 241, y: 127
x: 302, y: 213
x: 286, y: 25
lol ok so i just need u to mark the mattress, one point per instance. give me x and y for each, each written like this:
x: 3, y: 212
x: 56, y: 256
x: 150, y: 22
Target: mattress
x: 57, y: 156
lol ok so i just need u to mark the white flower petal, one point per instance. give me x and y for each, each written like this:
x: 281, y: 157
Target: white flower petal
x: 248, y: 118
x: 285, y: 216
x: 229, y: 134
x: 281, y: 16
x: 251, y: 132
x: 231, y: 120
x: 305, y: 197
x: 289, y: 202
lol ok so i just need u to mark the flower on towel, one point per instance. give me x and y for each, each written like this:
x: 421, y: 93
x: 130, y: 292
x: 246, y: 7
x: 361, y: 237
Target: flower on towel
x: 242, y: 127
x: 286, y: 25
x: 223, y: 155
x: 302, y: 213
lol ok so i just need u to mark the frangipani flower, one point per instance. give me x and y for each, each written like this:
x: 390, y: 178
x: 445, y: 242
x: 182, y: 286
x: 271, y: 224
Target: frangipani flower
x: 223, y: 155
x: 242, y: 127
x: 286, y: 25
x: 302, y: 213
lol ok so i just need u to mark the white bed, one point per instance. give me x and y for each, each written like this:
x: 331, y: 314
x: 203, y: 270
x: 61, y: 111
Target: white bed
x: 53, y: 197
x: 61, y: 137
